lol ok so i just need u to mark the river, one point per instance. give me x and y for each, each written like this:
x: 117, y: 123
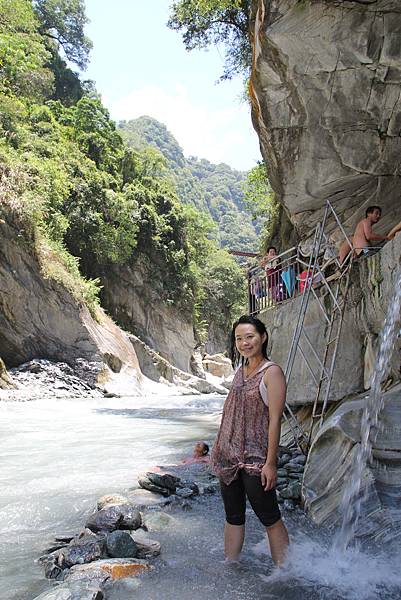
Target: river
x: 59, y: 456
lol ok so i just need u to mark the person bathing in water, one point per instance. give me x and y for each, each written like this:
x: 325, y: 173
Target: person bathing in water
x: 200, y: 454
x: 244, y: 457
x: 363, y: 235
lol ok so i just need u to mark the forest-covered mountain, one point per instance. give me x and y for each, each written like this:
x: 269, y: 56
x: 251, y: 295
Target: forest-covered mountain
x: 84, y: 200
x: 216, y: 189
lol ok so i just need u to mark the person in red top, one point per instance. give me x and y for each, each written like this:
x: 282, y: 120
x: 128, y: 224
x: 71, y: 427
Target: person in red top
x: 244, y: 457
x: 271, y: 265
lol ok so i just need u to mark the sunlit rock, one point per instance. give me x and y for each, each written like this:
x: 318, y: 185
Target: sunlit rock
x: 79, y: 590
x: 113, y: 568
x: 5, y: 379
x: 111, y: 500
x: 327, y: 108
x: 157, y: 368
x: 157, y: 521
x: 143, y: 498
x: 218, y: 365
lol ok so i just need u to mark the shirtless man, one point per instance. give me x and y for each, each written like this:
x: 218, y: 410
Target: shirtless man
x: 363, y: 235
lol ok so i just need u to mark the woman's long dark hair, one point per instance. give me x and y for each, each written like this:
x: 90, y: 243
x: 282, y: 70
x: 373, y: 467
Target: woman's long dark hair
x: 260, y: 327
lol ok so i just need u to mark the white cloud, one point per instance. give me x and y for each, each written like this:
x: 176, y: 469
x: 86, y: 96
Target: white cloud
x: 218, y: 135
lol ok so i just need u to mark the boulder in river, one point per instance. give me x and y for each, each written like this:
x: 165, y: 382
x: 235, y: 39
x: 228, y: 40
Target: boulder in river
x: 121, y: 516
x: 112, y: 500
x: 157, y: 521
x: 119, y: 544
x: 84, y: 548
x: 159, y: 483
x: 143, y: 498
x: 146, y: 547
x: 79, y: 590
x: 218, y: 365
x: 113, y: 568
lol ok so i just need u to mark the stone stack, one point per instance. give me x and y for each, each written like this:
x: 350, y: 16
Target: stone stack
x: 290, y: 472
x: 107, y: 549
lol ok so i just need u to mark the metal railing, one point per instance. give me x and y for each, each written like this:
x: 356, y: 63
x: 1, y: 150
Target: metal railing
x: 283, y: 278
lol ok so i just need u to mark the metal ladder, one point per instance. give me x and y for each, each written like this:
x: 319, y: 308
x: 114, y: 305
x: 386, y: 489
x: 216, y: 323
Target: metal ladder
x: 333, y: 313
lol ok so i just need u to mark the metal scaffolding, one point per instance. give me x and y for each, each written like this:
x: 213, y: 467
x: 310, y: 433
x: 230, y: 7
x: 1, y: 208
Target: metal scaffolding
x: 320, y: 362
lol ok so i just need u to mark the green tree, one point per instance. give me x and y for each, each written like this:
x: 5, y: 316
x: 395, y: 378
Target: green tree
x: 223, y: 295
x: 260, y: 200
x: 206, y: 22
x: 96, y: 133
x: 63, y: 22
x: 23, y: 54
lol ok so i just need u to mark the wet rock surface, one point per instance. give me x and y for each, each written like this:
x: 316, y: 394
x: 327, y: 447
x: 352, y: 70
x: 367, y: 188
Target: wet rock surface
x: 289, y: 476
x: 109, y: 568
x: 119, y: 544
x: 167, y: 485
x: 336, y: 444
x: 74, y: 591
x: 118, y: 516
x: 115, y: 544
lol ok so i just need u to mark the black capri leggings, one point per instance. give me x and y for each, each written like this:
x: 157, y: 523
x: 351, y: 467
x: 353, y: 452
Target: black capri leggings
x: 264, y: 504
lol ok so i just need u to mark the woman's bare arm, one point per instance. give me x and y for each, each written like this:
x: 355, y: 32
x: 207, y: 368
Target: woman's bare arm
x: 276, y: 392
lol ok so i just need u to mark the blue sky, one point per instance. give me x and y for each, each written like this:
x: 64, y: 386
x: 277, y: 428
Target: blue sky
x: 141, y: 67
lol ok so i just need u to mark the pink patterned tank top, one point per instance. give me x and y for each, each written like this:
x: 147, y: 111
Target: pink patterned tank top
x: 241, y: 442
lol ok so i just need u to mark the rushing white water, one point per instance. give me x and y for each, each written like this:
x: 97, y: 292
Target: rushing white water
x: 59, y: 456
x: 353, y: 495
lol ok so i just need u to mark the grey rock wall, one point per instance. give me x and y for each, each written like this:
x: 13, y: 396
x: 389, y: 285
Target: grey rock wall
x: 39, y: 318
x: 133, y: 300
x: 326, y: 88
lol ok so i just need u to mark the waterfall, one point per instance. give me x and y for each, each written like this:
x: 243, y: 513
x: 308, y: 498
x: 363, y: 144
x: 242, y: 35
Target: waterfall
x: 353, y: 496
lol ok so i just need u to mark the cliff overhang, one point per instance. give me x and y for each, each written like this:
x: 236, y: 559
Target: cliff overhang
x: 326, y: 104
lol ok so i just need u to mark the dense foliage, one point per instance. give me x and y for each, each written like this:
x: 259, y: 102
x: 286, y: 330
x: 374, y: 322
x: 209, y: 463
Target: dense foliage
x: 260, y: 200
x: 213, y: 189
x: 206, y: 22
x: 90, y: 199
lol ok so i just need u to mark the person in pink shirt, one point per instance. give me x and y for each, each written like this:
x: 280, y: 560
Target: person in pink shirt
x: 200, y: 454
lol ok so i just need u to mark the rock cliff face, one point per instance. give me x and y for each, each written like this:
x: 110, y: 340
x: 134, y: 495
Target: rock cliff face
x: 39, y: 318
x: 331, y: 460
x: 133, y: 300
x: 326, y: 91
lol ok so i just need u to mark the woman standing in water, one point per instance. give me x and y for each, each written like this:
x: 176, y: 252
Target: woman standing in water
x: 244, y: 456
